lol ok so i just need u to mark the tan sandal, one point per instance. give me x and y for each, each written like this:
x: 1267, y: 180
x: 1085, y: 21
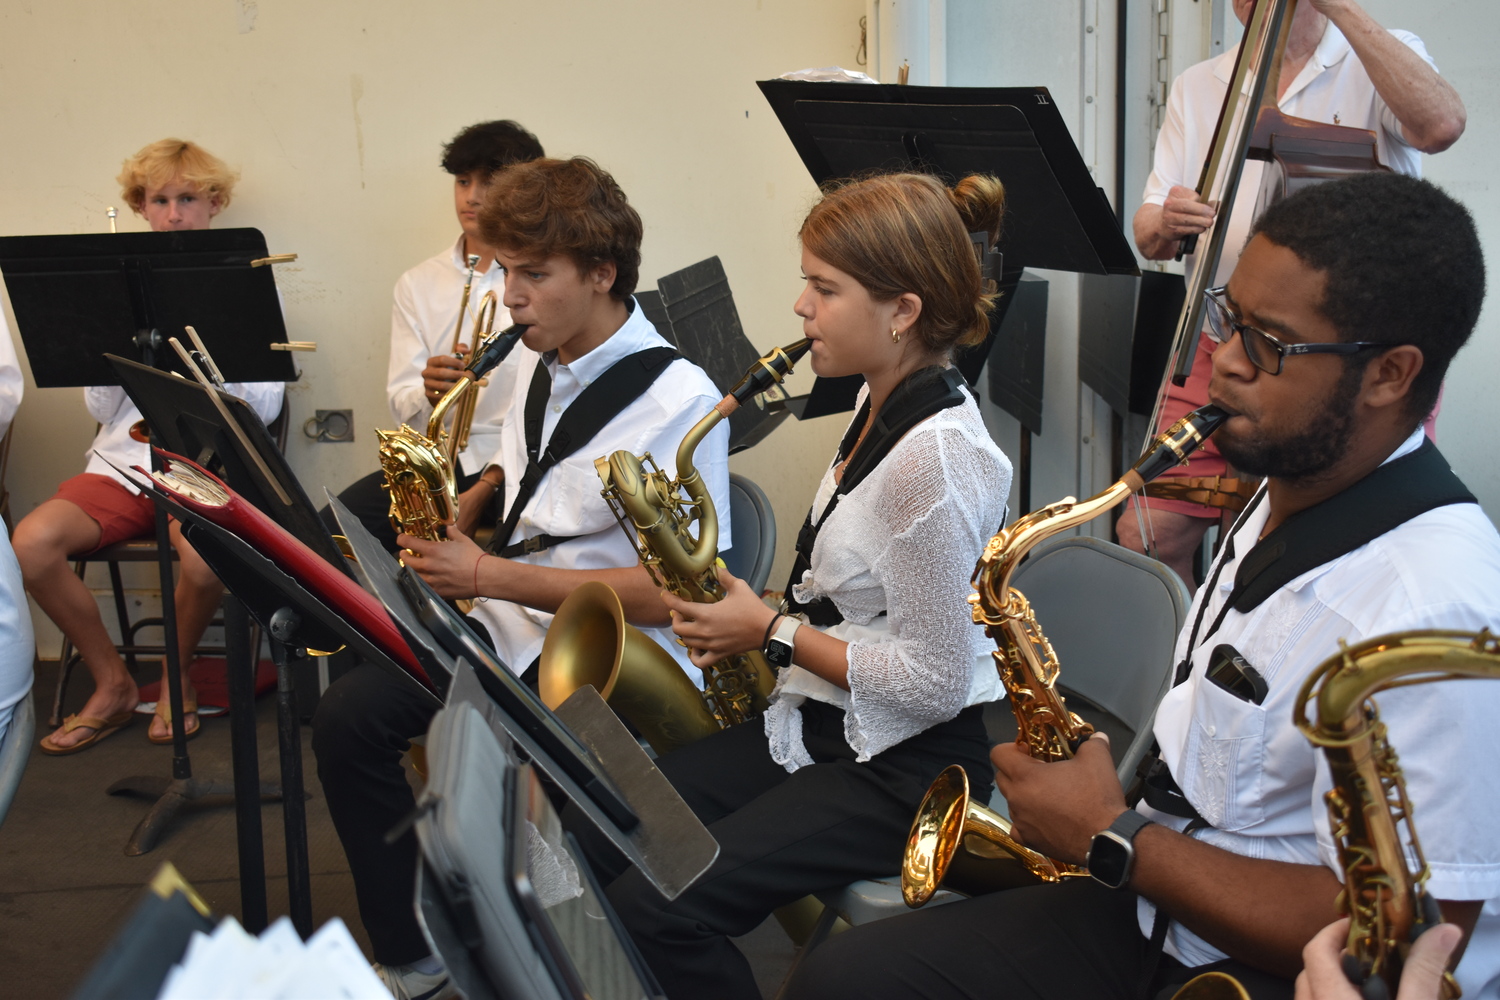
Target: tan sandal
x: 164, y: 712
x: 102, y: 728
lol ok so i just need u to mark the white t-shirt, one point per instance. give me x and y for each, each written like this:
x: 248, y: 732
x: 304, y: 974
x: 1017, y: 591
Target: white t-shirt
x: 895, y: 557
x: 11, y: 382
x: 116, y: 414
x: 17, y: 647
x: 1249, y: 771
x: 1333, y: 87
x: 567, y: 502
x: 424, y: 315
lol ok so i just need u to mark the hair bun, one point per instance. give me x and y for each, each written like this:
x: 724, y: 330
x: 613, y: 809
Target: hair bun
x: 980, y: 200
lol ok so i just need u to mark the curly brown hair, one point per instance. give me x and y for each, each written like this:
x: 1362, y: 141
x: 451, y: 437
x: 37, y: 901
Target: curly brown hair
x: 897, y: 233
x: 571, y: 208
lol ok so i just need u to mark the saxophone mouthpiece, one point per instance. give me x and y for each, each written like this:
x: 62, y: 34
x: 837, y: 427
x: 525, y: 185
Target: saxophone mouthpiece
x: 766, y: 372
x: 494, y: 349
x: 1179, y: 441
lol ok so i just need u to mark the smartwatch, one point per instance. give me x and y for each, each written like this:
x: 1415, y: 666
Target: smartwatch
x: 780, y: 646
x: 1111, y: 857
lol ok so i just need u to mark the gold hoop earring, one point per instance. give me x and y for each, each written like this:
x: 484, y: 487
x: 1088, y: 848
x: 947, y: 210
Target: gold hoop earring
x: 895, y: 336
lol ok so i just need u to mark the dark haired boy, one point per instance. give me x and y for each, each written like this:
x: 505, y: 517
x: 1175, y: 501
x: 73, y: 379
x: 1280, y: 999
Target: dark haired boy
x: 425, y: 315
x: 1335, y: 330
x: 568, y: 245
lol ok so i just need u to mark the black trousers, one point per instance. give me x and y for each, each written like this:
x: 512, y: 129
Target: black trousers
x: 367, y: 500
x: 781, y: 836
x: 1044, y: 942
x: 363, y: 725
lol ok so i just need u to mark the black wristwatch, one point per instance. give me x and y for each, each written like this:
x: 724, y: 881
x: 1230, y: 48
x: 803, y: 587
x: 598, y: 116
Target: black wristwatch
x: 1111, y: 856
x: 780, y: 645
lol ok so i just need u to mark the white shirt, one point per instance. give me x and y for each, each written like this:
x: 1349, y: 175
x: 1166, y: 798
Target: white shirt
x: 424, y: 315
x: 11, y: 382
x: 116, y: 414
x: 17, y: 647
x: 567, y: 502
x: 895, y: 557
x: 1250, y: 773
x: 1333, y: 87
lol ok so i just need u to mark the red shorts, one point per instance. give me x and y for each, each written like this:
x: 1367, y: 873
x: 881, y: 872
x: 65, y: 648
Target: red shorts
x: 1206, y: 461
x: 120, y: 514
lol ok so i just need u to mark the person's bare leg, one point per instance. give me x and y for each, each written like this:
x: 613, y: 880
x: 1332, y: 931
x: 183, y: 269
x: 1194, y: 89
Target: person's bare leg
x: 1178, y: 538
x: 198, y: 592
x: 43, y: 542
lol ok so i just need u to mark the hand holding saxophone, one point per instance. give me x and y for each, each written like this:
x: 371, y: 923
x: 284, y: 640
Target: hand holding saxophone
x: 448, y: 566
x: 714, y: 631
x: 1056, y: 807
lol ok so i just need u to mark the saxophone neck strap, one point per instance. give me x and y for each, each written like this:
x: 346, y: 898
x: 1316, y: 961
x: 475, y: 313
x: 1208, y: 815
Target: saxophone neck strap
x: 918, y: 396
x: 590, y: 412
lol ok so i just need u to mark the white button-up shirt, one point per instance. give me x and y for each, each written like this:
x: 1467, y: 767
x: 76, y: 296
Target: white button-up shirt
x: 11, y: 382
x: 1259, y: 782
x: 1333, y: 87
x: 567, y: 502
x: 424, y: 316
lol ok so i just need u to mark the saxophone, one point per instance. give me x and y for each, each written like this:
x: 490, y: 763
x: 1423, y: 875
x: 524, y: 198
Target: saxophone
x: 418, y: 469
x: 947, y: 820
x: 658, y: 514
x: 1368, y: 809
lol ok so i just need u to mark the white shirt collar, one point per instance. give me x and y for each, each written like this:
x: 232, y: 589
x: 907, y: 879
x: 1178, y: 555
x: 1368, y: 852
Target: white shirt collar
x: 1332, y: 49
x: 461, y: 259
x: 636, y: 334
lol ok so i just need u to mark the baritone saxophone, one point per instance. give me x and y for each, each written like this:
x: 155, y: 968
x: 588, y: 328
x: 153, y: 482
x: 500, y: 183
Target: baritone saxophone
x: 675, y: 529
x: 951, y: 834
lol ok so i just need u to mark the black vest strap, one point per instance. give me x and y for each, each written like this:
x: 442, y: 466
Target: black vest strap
x: 599, y: 403
x: 920, y: 395
x: 1390, y: 496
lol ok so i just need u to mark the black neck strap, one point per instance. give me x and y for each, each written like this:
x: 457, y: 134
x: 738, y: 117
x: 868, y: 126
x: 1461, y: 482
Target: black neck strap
x: 600, y: 402
x: 920, y: 395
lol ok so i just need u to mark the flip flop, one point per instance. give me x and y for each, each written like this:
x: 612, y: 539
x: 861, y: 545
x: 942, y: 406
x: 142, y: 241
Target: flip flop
x: 101, y: 727
x: 164, y: 710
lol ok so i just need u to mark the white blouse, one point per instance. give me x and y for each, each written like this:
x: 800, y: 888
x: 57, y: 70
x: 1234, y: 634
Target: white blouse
x: 895, y: 557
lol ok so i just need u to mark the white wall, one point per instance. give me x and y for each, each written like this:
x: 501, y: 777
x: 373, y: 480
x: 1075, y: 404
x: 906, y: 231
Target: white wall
x: 335, y: 112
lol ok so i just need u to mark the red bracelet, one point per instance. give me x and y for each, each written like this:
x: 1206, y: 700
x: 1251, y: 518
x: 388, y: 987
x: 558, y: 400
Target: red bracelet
x: 476, y: 573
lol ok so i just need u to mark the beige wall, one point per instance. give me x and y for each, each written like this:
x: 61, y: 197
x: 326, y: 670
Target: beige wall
x: 335, y: 112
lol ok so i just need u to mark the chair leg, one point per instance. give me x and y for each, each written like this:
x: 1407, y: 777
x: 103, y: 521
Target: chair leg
x: 122, y: 615
x: 820, y: 933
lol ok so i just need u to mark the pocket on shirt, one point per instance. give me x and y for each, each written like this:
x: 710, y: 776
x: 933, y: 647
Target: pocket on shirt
x: 1222, y: 766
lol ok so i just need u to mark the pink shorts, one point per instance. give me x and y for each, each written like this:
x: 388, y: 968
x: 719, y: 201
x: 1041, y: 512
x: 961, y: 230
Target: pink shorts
x: 1206, y: 461
x: 120, y: 514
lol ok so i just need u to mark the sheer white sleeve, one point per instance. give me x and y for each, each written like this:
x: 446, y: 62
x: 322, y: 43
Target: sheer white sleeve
x: 940, y: 499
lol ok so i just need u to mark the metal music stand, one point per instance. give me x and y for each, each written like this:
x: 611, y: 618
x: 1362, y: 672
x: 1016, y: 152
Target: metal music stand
x: 1058, y: 218
x: 225, y: 435
x: 76, y: 297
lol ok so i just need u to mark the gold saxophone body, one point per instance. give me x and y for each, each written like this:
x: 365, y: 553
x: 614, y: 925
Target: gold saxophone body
x: 962, y: 841
x: 675, y: 529
x: 419, y: 468
x: 1368, y: 809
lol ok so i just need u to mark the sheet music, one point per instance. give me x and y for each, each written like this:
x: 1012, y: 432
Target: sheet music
x: 230, y: 964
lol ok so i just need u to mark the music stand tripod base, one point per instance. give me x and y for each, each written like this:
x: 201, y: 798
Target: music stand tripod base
x: 171, y: 795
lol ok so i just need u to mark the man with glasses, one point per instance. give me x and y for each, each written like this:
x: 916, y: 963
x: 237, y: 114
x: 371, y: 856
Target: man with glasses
x: 1339, y: 67
x: 1337, y: 326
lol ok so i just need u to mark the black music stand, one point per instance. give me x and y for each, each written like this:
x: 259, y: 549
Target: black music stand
x: 78, y: 297
x: 1057, y: 217
x: 232, y: 442
x: 583, y: 748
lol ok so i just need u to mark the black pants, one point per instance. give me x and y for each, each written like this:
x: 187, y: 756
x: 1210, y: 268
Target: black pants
x: 1044, y: 942
x: 781, y: 836
x: 367, y: 500
x: 362, y: 727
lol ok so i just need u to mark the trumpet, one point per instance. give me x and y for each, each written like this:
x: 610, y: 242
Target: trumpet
x: 418, y: 472
x: 950, y: 830
x: 463, y: 410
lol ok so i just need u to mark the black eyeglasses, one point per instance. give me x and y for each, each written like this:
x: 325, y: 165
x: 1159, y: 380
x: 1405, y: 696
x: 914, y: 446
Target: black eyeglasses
x: 1265, y: 351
